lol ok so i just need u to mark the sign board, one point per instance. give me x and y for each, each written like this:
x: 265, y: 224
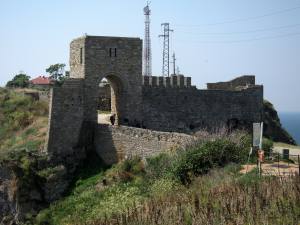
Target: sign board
x: 256, y: 134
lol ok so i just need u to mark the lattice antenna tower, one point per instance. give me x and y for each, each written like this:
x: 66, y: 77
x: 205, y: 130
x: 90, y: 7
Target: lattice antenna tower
x: 147, y: 59
x: 166, y: 48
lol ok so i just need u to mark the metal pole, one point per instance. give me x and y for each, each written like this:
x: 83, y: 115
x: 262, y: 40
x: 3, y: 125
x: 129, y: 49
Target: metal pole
x: 278, y: 164
x: 261, y: 135
x: 299, y: 164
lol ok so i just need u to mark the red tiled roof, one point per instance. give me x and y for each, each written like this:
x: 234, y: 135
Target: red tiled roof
x: 41, y: 80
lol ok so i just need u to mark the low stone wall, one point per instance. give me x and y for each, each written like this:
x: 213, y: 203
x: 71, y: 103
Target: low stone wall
x: 114, y: 143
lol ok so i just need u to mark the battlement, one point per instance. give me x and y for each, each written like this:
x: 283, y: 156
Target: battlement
x: 174, y: 81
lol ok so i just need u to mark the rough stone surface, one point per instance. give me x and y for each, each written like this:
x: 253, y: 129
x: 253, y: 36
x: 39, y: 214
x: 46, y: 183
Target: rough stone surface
x: 8, y: 203
x: 114, y: 143
x: 235, y: 84
x: 26, y: 189
x: 189, y: 109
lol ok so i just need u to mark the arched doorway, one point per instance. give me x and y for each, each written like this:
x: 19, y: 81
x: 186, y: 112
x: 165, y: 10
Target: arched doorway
x: 109, y: 100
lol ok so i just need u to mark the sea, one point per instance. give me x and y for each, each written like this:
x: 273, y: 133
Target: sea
x: 291, y: 122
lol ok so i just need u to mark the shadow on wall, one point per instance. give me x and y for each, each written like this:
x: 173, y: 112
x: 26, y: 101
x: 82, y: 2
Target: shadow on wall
x: 105, y: 146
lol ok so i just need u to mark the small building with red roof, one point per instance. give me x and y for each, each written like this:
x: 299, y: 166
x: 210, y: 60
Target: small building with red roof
x: 41, y: 82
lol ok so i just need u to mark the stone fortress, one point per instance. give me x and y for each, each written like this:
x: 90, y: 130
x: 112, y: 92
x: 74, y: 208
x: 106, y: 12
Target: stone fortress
x: 152, y: 113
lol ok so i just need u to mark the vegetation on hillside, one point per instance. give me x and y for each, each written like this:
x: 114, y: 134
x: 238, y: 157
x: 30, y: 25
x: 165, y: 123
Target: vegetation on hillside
x: 200, y: 184
x: 179, y: 187
x: 23, y: 121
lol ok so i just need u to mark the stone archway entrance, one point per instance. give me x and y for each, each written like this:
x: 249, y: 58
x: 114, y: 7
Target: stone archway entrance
x: 110, y: 94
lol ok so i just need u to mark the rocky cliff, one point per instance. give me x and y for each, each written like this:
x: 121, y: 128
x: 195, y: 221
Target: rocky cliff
x: 272, y: 126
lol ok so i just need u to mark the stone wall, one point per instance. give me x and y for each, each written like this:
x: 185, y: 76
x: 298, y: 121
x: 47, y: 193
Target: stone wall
x: 188, y: 109
x: 114, y: 143
x: 246, y: 80
x: 156, y: 103
x: 179, y: 81
x: 65, y: 118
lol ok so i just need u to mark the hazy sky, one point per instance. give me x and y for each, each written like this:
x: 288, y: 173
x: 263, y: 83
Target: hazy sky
x: 214, y: 40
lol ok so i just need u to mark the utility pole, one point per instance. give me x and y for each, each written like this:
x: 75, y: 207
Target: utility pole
x: 147, y: 60
x: 174, y: 63
x: 166, y: 46
x: 177, y: 70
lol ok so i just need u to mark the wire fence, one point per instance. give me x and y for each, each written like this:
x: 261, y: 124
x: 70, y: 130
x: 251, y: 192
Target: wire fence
x: 280, y: 164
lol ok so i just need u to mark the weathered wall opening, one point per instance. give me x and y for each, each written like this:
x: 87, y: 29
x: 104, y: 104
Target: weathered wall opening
x: 110, y: 89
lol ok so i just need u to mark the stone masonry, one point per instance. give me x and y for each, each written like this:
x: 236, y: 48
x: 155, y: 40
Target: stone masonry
x: 169, y: 104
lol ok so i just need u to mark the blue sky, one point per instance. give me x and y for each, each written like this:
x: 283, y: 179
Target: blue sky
x: 214, y: 40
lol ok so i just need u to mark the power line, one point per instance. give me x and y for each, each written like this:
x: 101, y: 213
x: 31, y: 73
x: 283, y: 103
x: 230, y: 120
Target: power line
x: 243, y: 32
x: 243, y: 19
x: 247, y: 40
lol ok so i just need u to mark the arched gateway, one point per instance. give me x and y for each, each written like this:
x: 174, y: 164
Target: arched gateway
x: 73, y: 107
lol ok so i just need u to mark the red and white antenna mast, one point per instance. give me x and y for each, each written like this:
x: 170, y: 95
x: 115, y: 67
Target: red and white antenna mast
x: 147, y: 59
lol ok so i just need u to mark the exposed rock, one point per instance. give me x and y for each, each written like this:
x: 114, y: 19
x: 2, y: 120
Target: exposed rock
x: 272, y: 126
x: 56, y: 183
x: 8, y: 203
x: 28, y: 183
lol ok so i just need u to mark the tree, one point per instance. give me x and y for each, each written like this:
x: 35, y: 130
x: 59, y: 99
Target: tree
x: 20, y: 80
x: 57, y: 72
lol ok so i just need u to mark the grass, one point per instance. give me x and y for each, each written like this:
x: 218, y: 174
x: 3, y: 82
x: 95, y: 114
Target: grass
x: 223, y: 196
x: 152, y: 192
x: 23, y: 122
x: 220, y: 197
x: 200, y: 184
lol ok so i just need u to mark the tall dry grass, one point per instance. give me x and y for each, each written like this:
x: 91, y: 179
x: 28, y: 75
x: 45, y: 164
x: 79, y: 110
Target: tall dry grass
x: 250, y: 201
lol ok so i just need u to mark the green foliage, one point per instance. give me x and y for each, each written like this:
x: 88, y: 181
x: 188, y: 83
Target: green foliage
x: 17, y: 113
x: 267, y: 145
x: 152, y: 196
x: 126, y: 171
x: 57, y: 72
x: 200, y: 159
x: 160, y: 165
x: 19, y: 81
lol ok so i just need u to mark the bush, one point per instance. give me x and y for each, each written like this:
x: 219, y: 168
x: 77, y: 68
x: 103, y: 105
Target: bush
x: 158, y: 166
x: 267, y: 145
x: 201, y: 159
x: 19, y: 81
x: 126, y: 170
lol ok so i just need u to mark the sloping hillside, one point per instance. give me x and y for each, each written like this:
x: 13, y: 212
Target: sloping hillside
x: 23, y: 121
x: 272, y: 126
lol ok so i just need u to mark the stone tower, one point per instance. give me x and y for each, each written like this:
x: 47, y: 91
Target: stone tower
x: 74, y: 105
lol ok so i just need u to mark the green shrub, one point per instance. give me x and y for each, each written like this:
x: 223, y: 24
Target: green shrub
x: 126, y: 170
x: 201, y: 159
x: 157, y: 166
x: 267, y: 146
x: 163, y: 186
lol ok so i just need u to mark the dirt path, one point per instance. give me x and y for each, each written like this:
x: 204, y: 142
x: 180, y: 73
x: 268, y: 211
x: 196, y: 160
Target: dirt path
x: 274, y: 169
